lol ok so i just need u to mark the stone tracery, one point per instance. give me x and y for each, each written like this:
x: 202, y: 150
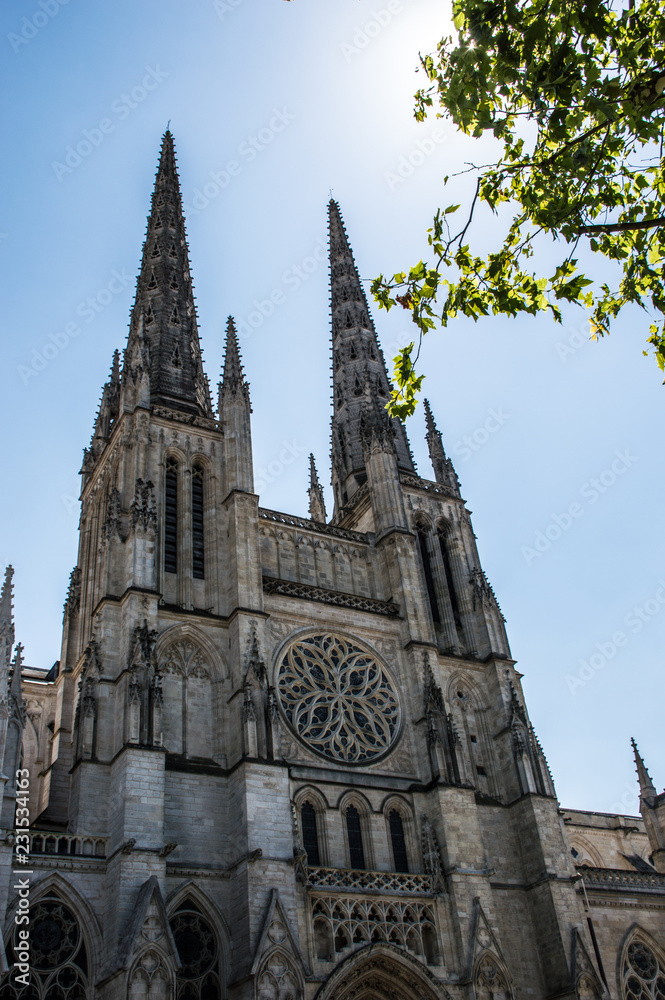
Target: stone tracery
x: 643, y: 974
x: 338, y: 698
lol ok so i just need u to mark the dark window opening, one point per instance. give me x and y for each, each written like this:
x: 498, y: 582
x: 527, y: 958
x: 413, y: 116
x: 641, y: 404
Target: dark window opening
x: 481, y: 771
x: 398, y: 841
x: 449, y: 580
x: 354, y: 833
x: 429, y: 578
x: 310, y: 839
x: 171, y: 517
x: 197, y: 523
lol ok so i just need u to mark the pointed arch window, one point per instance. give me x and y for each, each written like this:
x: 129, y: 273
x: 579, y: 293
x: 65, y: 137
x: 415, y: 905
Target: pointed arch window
x: 398, y: 841
x: 171, y: 517
x: 643, y: 974
x: 153, y: 280
x: 450, y: 581
x: 198, y: 950
x: 310, y: 839
x: 59, y: 963
x: 427, y: 569
x: 198, y: 564
x: 355, y: 838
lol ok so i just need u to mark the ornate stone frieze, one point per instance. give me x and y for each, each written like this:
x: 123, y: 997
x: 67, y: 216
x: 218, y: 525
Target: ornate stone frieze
x: 365, y: 881
x: 291, y: 589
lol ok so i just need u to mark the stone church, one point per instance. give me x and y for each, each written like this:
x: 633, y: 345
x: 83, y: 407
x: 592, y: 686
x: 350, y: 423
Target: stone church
x: 285, y: 757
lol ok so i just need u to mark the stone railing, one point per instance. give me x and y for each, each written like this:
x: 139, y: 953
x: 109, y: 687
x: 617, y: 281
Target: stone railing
x: 366, y: 881
x: 303, y: 522
x: 67, y: 844
x: 619, y: 878
x: 429, y: 487
x: 289, y: 588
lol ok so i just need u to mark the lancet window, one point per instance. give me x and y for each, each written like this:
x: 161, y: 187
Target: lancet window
x: 450, y: 581
x: 198, y: 565
x: 310, y: 838
x: 171, y: 517
x: 398, y: 841
x: 427, y: 569
x: 355, y: 838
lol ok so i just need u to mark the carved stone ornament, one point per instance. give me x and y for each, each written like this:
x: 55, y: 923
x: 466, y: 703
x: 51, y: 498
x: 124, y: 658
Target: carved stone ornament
x: 73, y: 602
x: 111, y: 525
x: 142, y: 512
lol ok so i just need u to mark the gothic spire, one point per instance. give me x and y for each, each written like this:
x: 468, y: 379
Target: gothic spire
x: 360, y: 380
x: 647, y: 788
x: 6, y: 620
x: 164, y: 305
x: 234, y: 419
x: 317, y: 503
x: 233, y: 377
x: 444, y: 472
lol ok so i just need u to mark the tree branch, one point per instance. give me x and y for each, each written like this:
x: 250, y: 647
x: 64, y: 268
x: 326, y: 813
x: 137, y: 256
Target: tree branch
x: 622, y: 227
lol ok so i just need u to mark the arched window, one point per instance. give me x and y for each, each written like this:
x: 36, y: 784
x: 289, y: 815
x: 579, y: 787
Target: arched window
x: 354, y: 834
x: 196, y: 941
x: 310, y: 838
x: 427, y: 568
x: 643, y: 974
x: 171, y: 517
x: 197, y: 522
x: 445, y: 555
x: 398, y: 841
x: 59, y: 964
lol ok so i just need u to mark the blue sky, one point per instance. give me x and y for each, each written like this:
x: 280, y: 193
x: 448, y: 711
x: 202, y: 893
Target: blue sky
x: 557, y: 440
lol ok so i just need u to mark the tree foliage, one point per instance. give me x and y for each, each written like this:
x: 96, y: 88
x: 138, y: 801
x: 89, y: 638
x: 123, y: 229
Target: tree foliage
x: 573, y: 94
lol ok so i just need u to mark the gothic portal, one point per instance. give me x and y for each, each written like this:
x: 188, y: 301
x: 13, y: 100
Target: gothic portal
x: 287, y: 757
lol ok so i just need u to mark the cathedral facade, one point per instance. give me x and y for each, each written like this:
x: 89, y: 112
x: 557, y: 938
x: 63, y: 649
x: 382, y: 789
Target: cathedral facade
x: 287, y: 758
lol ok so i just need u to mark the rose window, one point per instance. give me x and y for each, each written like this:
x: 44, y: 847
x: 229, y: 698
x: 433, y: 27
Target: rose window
x: 644, y: 977
x: 338, y: 699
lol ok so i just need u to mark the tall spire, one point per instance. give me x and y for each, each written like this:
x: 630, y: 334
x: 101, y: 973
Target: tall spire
x: 164, y: 314
x: 444, y: 472
x: 317, y: 503
x: 6, y: 623
x: 233, y: 377
x: 647, y: 788
x: 360, y: 380
x: 234, y: 418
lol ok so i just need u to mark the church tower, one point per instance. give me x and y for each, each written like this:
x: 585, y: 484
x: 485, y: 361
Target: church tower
x: 280, y: 757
